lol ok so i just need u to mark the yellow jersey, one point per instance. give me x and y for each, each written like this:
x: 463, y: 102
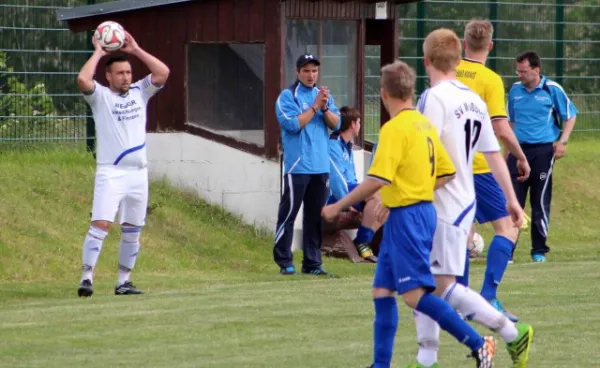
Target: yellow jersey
x: 489, y: 86
x: 409, y: 158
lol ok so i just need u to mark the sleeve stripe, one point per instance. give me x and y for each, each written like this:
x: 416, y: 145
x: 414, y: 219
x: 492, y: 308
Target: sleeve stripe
x: 554, y: 84
x: 379, y: 179
x: 280, y: 109
x: 147, y: 81
x: 446, y: 175
x: 339, y: 173
x: 497, y: 117
x: 422, y: 101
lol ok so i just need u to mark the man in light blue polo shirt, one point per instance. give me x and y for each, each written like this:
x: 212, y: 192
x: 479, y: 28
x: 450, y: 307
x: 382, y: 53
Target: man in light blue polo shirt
x: 543, y: 117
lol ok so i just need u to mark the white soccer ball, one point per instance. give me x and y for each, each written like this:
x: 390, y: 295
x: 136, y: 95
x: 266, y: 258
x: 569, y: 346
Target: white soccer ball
x: 477, y: 245
x: 110, y: 35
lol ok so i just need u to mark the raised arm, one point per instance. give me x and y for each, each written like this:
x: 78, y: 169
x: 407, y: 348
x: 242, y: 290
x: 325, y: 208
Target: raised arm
x: 290, y: 116
x: 160, y: 72
x: 85, y: 79
x: 332, y: 116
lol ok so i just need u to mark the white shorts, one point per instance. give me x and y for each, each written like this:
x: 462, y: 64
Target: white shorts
x: 121, y: 190
x: 449, y: 251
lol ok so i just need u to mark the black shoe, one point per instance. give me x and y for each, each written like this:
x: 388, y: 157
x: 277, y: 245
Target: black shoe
x: 365, y: 251
x: 85, y: 288
x: 127, y: 289
x: 318, y: 271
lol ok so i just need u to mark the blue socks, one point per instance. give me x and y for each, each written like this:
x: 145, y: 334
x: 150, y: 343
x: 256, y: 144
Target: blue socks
x: 464, y: 279
x: 385, y: 325
x: 364, y: 234
x: 498, y: 256
x: 441, y: 312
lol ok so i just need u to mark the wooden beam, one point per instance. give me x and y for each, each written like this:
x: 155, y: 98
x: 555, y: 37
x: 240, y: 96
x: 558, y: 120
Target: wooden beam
x: 360, y: 77
x: 274, y: 75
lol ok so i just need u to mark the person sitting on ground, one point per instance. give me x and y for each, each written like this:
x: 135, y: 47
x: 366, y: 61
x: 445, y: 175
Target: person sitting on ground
x: 342, y: 180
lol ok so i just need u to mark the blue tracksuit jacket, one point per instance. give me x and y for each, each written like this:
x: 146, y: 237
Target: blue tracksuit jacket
x: 305, y: 151
x: 342, y: 176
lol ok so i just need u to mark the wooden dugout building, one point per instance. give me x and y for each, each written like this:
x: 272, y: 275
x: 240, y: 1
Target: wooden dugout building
x: 230, y: 59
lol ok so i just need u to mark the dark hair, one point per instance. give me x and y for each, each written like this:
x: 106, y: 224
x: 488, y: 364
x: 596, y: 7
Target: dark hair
x: 115, y: 59
x: 349, y: 114
x: 532, y: 57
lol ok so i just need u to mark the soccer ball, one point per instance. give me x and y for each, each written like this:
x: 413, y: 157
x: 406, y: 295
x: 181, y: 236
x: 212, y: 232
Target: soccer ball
x: 110, y: 35
x: 477, y: 245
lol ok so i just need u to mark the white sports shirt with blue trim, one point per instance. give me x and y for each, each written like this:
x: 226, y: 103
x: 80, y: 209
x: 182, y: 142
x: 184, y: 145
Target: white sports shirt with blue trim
x: 463, y: 123
x: 121, y: 123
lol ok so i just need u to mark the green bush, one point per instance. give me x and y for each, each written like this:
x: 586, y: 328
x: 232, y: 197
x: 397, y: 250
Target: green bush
x: 27, y: 113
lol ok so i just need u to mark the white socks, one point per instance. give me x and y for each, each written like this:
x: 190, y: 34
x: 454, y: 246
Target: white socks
x: 471, y: 305
x: 428, y: 337
x: 128, y: 251
x: 92, y: 246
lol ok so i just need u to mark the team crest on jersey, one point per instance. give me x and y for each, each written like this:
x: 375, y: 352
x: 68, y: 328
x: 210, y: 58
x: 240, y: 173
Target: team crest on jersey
x: 305, y: 106
x: 345, y: 156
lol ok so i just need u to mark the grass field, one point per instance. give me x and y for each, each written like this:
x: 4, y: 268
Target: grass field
x: 214, y: 297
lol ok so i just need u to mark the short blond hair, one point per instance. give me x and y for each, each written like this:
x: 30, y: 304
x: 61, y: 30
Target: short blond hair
x: 478, y: 34
x: 398, y: 80
x: 442, y: 48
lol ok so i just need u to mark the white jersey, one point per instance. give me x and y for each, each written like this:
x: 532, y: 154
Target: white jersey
x: 121, y: 123
x: 464, y: 126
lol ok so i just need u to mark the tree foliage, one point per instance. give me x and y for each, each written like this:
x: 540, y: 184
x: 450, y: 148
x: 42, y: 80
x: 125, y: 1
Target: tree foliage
x: 42, y: 57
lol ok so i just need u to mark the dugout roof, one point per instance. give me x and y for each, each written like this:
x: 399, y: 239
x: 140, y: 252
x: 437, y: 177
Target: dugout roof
x: 129, y: 5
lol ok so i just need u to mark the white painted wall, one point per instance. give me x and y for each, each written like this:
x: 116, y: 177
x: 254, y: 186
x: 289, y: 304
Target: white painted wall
x: 241, y: 183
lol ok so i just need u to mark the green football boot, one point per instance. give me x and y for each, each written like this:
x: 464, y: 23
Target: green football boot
x: 519, y: 349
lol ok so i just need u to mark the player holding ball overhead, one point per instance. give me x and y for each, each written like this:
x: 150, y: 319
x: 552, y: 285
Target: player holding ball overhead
x: 121, y: 183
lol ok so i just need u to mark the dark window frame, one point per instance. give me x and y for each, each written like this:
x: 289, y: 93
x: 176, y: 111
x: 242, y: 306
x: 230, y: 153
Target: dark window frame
x: 212, y: 135
x: 359, y: 65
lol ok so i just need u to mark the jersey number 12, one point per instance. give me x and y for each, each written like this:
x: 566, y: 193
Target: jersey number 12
x: 472, y: 133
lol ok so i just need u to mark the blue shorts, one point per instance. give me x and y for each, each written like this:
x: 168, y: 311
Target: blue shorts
x: 491, y: 203
x: 403, y: 261
x: 358, y: 206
